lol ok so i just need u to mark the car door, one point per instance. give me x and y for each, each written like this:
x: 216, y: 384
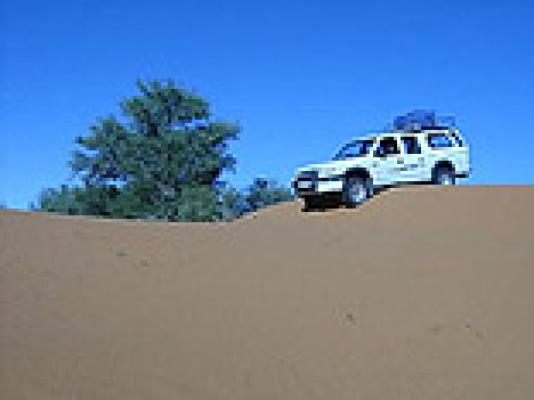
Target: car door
x: 446, y: 147
x: 387, y: 161
x: 413, y: 162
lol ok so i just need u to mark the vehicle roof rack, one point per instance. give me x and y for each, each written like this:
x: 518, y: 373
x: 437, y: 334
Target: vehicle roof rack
x: 423, y: 120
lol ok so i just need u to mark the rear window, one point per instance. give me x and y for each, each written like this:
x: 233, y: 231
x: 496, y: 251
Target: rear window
x: 458, y: 139
x: 439, y: 141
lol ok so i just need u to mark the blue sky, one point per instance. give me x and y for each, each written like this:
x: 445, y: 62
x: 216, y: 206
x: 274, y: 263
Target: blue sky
x: 300, y: 76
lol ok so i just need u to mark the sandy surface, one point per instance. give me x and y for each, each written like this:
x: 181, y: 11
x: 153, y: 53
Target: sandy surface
x: 423, y: 293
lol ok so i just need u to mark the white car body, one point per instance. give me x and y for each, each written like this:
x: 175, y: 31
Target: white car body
x: 410, y: 164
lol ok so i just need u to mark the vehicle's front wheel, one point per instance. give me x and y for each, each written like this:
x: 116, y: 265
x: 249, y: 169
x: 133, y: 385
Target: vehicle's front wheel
x: 357, y: 190
x: 444, y: 176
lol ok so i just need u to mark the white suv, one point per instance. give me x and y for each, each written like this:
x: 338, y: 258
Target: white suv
x: 433, y: 155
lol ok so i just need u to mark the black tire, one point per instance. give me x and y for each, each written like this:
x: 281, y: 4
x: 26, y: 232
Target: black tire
x: 444, y: 176
x: 357, y: 191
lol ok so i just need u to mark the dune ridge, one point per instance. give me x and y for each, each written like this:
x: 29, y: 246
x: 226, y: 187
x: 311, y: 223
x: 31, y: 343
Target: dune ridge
x: 422, y: 293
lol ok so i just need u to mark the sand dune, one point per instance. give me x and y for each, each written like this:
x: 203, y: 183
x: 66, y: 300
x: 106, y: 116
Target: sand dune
x: 422, y: 293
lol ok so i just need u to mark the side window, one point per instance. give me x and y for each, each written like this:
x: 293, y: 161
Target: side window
x: 411, y: 145
x: 458, y: 139
x: 388, y: 146
x: 439, y: 141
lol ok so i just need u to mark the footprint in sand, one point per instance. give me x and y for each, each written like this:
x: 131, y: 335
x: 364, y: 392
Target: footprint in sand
x: 350, y: 318
x: 437, y: 329
x: 477, y: 333
x: 121, y: 253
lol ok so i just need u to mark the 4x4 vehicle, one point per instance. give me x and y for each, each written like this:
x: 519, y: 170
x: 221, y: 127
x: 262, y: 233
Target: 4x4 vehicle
x: 437, y: 155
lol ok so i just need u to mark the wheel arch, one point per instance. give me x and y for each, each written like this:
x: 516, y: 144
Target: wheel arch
x: 446, y: 164
x: 442, y: 164
x: 358, y: 172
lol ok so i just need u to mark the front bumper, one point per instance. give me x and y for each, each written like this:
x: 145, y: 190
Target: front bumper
x: 306, y: 186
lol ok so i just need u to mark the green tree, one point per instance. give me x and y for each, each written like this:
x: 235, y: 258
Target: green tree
x: 264, y: 192
x: 261, y: 193
x: 233, y: 203
x: 162, y: 160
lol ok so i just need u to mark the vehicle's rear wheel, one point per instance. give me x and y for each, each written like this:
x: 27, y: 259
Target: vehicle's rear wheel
x: 357, y: 190
x: 444, y: 176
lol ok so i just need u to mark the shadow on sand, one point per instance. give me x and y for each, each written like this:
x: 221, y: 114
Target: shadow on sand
x: 331, y: 202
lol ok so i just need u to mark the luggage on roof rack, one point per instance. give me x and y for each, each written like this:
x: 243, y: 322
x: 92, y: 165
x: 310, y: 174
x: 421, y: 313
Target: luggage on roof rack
x: 418, y: 120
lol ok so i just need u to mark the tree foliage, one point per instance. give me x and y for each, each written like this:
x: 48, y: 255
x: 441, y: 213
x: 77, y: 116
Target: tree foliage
x: 264, y: 192
x: 261, y: 193
x: 162, y: 159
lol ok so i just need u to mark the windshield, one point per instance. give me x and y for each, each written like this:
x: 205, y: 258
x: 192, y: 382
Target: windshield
x: 357, y: 148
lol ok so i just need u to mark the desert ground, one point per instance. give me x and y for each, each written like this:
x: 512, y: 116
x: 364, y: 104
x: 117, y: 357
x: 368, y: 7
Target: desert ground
x: 422, y: 293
